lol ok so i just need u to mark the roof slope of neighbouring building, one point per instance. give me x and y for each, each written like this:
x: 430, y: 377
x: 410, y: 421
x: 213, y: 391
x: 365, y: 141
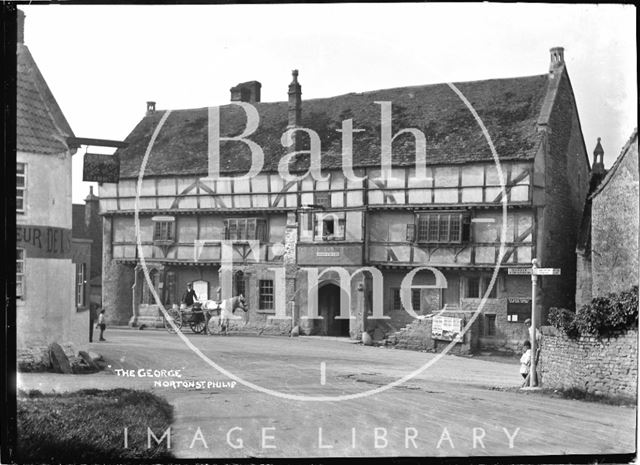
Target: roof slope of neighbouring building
x: 614, y: 168
x: 509, y: 108
x: 40, y: 124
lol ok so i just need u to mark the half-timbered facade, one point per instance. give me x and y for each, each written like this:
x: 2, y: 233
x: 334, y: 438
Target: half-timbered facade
x: 286, y: 233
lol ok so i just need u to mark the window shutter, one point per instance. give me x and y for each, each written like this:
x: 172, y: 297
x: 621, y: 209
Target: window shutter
x: 411, y: 232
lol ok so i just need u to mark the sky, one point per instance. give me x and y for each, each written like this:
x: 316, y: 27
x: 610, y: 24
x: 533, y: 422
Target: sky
x: 103, y: 63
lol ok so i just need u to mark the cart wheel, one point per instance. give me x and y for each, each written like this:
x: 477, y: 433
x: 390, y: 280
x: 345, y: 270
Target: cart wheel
x: 177, y: 320
x: 198, y: 326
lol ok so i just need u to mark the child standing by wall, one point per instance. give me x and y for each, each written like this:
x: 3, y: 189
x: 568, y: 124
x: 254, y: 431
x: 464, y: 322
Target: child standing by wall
x: 101, y: 324
x: 525, y: 360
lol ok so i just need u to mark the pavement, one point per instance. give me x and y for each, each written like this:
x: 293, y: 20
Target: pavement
x: 458, y: 406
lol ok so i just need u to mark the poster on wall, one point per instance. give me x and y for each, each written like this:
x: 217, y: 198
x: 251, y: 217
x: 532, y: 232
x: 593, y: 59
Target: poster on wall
x: 446, y: 328
x: 518, y: 309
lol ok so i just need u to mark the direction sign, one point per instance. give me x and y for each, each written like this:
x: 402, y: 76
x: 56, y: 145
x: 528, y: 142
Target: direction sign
x: 547, y: 271
x: 519, y: 271
x: 538, y: 271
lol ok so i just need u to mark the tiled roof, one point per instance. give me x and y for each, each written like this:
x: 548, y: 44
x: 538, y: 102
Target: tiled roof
x: 509, y: 109
x: 41, y: 127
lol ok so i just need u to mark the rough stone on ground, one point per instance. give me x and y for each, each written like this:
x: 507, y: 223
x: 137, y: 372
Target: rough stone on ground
x: 88, y: 360
x: 59, y: 360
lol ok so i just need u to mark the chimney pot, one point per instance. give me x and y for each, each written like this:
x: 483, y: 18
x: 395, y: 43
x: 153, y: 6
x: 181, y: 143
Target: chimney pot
x: 246, y: 92
x: 557, y: 58
x: 151, y: 108
x: 20, y: 35
x: 295, y: 101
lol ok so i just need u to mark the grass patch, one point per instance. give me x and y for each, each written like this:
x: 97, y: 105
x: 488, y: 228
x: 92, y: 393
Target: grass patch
x: 88, y: 426
x: 573, y: 394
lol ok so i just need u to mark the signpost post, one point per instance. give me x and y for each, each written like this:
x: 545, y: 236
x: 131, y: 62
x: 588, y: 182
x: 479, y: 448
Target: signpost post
x: 534, y: 271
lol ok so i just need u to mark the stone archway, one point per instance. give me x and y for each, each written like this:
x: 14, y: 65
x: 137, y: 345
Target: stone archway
x: 329, y: 308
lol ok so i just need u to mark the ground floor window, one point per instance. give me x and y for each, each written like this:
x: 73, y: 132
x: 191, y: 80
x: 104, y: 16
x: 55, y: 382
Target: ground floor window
x: 489, y: 329
x: 415, y: 299
x: 81, y: 284
x: 266, y: 294
x: 20, y: 266
x: 476, y: 287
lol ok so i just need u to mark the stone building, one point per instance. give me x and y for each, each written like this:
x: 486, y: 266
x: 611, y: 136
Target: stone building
x: 608, y: 243
x: 45, y: 271
x: 87, y: 224
x: 301, y: 236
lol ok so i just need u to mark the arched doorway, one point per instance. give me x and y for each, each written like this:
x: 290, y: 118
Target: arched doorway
x: 329, y: 308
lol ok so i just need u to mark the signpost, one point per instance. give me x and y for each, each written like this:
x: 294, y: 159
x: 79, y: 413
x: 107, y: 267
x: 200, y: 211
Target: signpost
x: 534, y: 271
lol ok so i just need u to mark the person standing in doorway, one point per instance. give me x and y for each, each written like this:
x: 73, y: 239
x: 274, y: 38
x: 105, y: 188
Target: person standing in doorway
x: 189, y: 296
x: 102, y: 325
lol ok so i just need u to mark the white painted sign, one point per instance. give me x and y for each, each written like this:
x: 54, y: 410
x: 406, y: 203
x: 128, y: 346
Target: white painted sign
x: 547, y: 271
x: 327, y: 254
x: 538, y: 272
x: 519, y: 271
x: 446, y: 328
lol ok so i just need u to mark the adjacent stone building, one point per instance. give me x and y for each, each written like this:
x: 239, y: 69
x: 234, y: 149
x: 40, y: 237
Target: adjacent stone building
x: 301, y: 235
x: 45, y: 273
x: 608, y: 246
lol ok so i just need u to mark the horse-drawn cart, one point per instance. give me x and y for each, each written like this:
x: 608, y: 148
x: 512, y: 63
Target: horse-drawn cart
x: 195, y: 316
x: 198, y: 315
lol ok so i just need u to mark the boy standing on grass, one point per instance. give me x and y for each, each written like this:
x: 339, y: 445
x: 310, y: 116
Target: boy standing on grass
x: 525, y: 360
x: 101, y: 325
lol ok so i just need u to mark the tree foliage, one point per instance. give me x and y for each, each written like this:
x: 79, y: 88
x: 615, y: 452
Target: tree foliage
x: 603, y: 316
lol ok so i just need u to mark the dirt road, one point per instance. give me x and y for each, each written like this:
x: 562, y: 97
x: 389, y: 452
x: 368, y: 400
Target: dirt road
x: 457, y: 407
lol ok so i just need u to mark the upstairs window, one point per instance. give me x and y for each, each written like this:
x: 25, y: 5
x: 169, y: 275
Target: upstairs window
x: 322, y: 199
x: 164, y: 229
x: 330, y: 226
x: 245, y: 229
x: 448, y: 227
x: 21, y: 186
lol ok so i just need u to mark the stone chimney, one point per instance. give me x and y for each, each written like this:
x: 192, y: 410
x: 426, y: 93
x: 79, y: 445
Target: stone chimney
x: 557, y: 59
x: 151, y: 108
x: 246, y: 92
x: 20, y: 36
x: 91, y: 205
x: 295, y: 101
x: 597, y: 169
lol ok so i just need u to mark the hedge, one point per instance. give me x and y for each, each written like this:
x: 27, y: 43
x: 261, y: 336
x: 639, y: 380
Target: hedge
x: 612, y: 313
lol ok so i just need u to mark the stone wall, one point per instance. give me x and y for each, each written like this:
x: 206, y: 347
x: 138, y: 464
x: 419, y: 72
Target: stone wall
x: 607, y: 367
x: 614, y: 234
x: 584, y: 280
x: 509, y: 336
x: 417, y: 336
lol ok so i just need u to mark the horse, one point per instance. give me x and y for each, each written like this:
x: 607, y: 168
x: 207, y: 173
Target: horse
x: 225, y: 309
